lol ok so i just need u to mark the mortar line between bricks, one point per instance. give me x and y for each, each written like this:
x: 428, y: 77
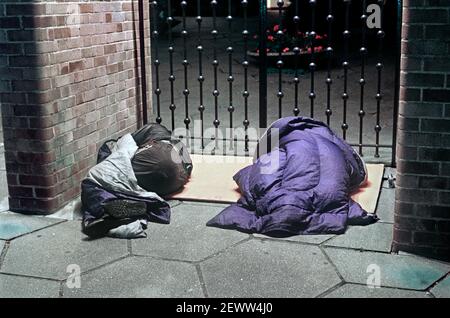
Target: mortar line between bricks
x: 37, y: 230
x: 330, y: 290
x: 332, y: 264
x: 202, y: 280
x: 93, y: 46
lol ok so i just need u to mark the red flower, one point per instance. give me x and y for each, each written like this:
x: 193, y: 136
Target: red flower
x: 267, y: 50
x: 276, y: 27
x: 286, y: 49
x: 318, y: 37
x: 318, y: 49
x: 270, y: 38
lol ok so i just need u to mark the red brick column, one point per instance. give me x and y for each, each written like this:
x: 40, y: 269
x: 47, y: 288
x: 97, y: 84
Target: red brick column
x: 69, y: 80
x: 422, y: 212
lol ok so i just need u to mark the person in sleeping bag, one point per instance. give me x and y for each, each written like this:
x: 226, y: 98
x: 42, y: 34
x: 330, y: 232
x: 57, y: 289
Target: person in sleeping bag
x: 302, y: 184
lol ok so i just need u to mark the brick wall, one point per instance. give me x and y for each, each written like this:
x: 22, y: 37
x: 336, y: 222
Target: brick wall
x: 69, y: 79
x: 422, y: 214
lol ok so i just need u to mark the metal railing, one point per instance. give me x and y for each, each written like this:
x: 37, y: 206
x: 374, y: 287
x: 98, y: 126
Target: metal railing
x: 226, y: 63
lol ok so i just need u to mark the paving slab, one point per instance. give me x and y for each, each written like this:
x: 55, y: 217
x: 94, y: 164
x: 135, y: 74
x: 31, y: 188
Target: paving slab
x: 48, y: 252
x: 2, y: 245
x: 361, y: 291
x: 187, y: 237
x: 27, y: 287
x: 442, y: 289
x: 269, y: 269
x: 399, y: 271
x: 309, y: 239
x: 386, y: 203
x: 139, y: 277
x: 374, y: 237
x: 13, y: 224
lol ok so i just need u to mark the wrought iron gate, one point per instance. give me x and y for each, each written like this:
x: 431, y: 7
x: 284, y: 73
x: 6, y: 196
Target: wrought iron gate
x: 209, y: 47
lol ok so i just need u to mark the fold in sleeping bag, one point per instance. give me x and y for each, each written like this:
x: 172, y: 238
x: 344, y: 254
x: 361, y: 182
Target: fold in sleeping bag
x: 300, y: 185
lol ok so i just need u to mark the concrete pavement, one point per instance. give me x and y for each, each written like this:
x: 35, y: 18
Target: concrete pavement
x: 188, y: 259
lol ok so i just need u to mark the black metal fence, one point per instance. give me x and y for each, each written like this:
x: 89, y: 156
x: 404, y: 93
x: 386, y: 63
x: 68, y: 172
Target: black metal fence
x: 221, y: 53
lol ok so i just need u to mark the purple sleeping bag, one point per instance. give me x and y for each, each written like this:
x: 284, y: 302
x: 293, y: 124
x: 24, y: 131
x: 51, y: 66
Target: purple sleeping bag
x: 302, y: 185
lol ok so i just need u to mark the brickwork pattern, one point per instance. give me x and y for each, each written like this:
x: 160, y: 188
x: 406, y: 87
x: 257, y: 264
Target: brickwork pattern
x: 69, y: 80
x: 422, y: 217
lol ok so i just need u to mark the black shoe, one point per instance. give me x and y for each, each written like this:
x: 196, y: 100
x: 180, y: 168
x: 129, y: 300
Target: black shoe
x: 125, y: 208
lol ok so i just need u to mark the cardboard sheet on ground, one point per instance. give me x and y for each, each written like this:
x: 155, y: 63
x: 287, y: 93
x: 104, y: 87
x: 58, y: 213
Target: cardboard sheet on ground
x: 212, y: 181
